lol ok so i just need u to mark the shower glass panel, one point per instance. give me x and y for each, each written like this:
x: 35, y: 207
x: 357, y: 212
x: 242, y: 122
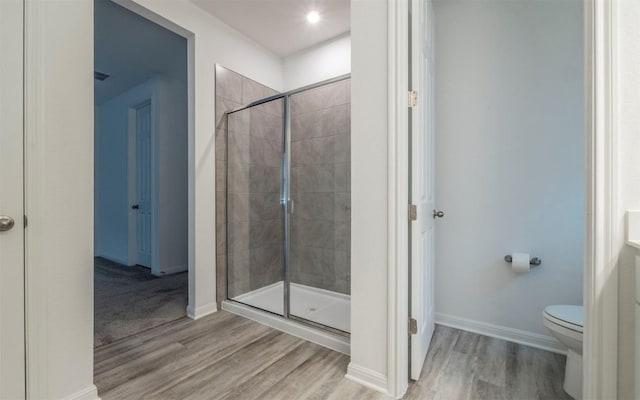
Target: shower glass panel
x: 255, y: 239
x: 289, y: 205
x: 319, y: 267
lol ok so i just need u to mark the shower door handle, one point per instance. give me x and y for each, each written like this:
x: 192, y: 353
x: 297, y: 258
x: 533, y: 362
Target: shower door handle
x: 290, y: 206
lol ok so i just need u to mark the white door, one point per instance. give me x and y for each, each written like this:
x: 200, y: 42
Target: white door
x: 143, y: 185
x: 422, y: 184
x: 12, y: 334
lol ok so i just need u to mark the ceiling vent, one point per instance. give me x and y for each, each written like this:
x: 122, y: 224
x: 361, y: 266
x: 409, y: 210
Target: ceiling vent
x: 100, y: 76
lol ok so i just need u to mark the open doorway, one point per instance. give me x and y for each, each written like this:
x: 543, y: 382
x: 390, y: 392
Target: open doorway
x: 522, y: 219
x: 141, y: 174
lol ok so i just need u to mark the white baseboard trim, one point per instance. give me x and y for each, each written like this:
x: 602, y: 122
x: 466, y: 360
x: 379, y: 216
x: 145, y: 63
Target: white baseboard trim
x: 88, y: 393
x: 202, y: 311
x: 526, y: 338
x: 366, y: 377
x: 326, y: 339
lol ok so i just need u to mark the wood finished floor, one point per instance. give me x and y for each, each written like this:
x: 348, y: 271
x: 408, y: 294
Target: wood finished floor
x: 224, y: 356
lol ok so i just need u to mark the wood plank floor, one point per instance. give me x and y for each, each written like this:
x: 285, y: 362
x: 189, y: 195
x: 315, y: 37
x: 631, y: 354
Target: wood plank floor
x: 224, y: 356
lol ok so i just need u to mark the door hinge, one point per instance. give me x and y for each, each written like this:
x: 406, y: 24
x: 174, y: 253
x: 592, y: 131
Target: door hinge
x: 413, y: 326
x: 25, y: 221
x: 413, y: 98
x: 413, y: 212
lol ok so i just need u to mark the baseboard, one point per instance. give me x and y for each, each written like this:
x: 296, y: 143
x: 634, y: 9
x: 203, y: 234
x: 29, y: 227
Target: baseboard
x: 366, y: 377
x: 88, y: 393
x: 526, y: 338
x: 202, y: 311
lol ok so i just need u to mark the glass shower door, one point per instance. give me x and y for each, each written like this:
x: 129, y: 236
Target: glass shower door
x: 291, y: 258
x: 255, y: 218
x: 320, y: 189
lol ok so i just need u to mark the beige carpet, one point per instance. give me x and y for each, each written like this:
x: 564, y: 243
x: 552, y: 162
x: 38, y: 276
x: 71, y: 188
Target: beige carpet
x: 129, y: 300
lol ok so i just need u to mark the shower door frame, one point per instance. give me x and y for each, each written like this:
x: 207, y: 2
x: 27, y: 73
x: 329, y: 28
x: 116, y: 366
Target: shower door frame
x: 285, y: 200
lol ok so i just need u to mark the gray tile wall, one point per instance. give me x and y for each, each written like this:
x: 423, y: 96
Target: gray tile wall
x: 320, y: 180
x: 253, y: 220
x: 321, y: 187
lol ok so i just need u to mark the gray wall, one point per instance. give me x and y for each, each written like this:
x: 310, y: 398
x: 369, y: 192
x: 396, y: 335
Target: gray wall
x: 253, y: 132
x: 321, y: 186
x: 510, y: 159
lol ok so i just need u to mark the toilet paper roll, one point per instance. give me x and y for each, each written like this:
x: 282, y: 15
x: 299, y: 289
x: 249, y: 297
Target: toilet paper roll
x: 520, y: 262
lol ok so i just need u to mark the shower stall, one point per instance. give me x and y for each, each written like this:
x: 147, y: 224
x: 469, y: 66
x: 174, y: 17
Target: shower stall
x: 288, y: 206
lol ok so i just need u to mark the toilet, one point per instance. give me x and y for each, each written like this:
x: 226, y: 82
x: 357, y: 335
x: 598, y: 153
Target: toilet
x: 565, y: 323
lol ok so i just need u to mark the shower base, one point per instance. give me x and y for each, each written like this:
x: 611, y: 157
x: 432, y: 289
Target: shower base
x: 316, y: 305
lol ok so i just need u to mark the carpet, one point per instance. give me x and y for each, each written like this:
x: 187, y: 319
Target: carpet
x: 129, y: 300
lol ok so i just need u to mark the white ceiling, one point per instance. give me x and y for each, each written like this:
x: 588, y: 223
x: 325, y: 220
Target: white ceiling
x: 132, y: 49
x: 281, y: 25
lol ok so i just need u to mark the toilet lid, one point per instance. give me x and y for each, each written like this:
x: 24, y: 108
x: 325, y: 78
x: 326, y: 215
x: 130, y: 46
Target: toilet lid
x: 571, y: 317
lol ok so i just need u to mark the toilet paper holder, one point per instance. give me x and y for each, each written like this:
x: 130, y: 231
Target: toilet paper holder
x: 535, y: 261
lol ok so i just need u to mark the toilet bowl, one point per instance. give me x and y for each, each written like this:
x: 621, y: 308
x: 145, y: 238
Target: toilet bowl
x: 565, y: 323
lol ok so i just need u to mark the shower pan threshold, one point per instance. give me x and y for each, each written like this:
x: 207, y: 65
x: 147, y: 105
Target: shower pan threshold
x: 315, y: 305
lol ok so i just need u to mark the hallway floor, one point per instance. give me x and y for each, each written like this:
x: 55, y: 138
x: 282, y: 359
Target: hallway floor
x: 129, y: 300
x: 224, y: 356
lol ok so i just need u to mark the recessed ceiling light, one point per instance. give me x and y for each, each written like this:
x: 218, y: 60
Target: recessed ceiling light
x: 313, y: 17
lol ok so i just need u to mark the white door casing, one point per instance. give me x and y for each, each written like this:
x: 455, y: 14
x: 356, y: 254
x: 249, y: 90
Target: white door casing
x: 422, y: 184
x: 12, y: 314
x: 143, y: 185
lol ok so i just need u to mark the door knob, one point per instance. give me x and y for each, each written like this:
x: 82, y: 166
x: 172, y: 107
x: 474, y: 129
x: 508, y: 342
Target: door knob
x: 135, y: 206
x: 438, y: 214
x: 6, y: 223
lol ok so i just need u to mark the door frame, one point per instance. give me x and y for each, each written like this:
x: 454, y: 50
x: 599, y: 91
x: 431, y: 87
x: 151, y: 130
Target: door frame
x: 602, y: 239
x: 398, y: 198
x: 199, y: 303
x: 13, y: 344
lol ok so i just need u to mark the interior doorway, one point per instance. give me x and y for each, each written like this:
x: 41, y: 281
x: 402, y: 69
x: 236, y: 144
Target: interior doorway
x: 141, y: 238
x: 482, y: 169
